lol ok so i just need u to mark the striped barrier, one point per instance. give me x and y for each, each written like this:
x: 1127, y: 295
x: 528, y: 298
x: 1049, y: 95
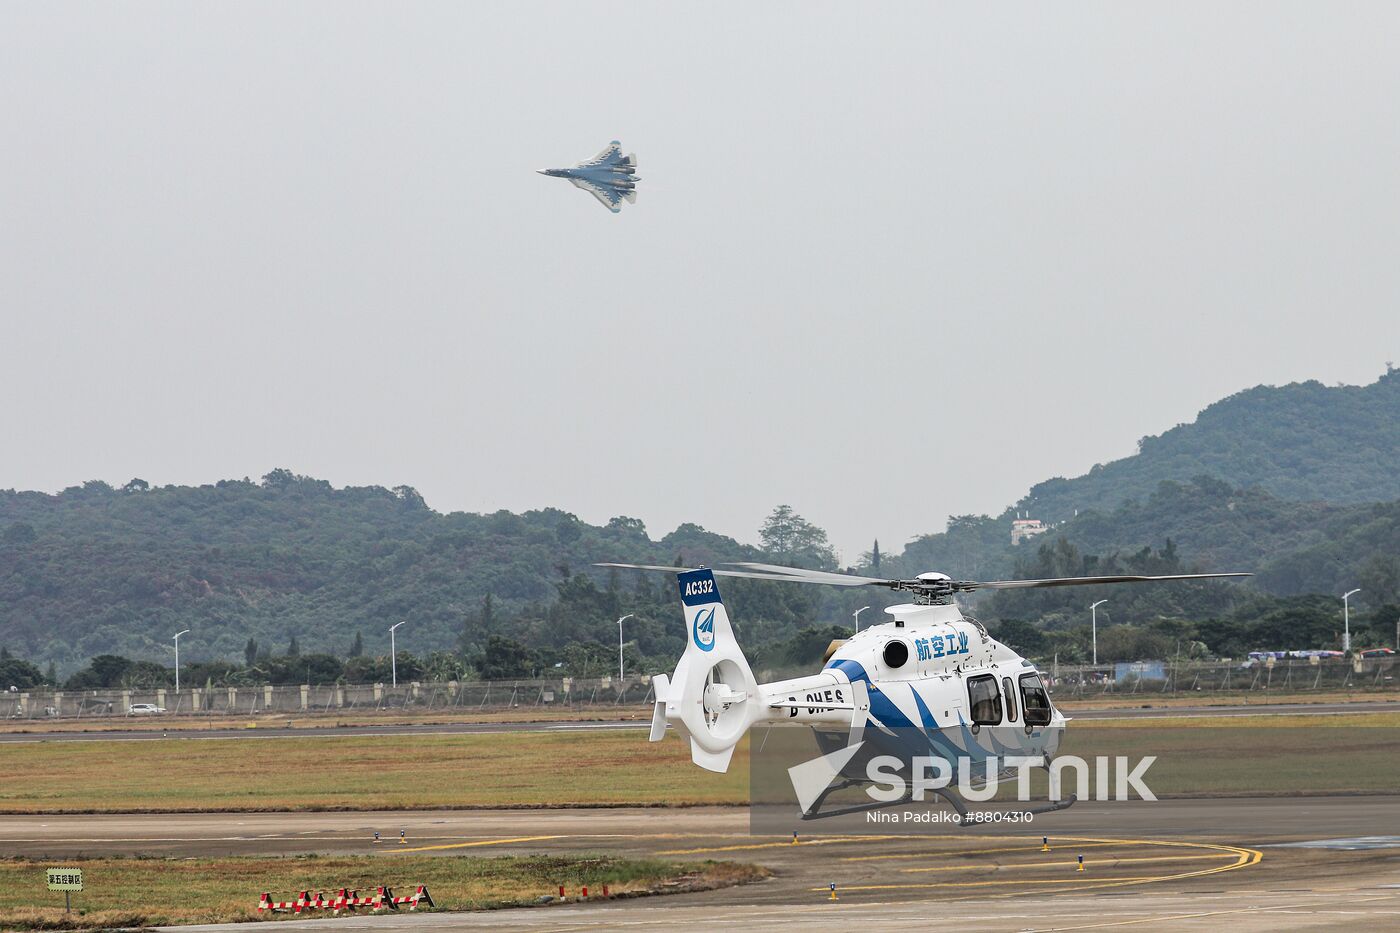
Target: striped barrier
x: 420, y: 896
x: 302, y: 902
x: 383, y: 898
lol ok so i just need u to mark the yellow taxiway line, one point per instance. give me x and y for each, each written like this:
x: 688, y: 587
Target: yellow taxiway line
x: 786, y: 844
x: 1243, y: 858
x: 468, y: 845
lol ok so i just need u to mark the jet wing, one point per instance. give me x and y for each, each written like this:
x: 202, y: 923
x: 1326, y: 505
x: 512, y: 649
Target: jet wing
x: 612, y: 158
x: 611, y: 155
x: 610, y: 198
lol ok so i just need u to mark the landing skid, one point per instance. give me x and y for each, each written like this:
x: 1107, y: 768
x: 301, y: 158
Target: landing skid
x: 815, y: 811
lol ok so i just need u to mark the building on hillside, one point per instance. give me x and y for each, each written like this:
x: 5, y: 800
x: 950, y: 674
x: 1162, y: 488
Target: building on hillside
x: 1023, y: 528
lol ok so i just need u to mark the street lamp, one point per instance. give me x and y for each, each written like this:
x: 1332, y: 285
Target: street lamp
x: 177, y: 661
x: 1094, y: 609
x: 394, y: 653
x: 1346, y: 620
x: 619, y: 645
x: 857, y: 615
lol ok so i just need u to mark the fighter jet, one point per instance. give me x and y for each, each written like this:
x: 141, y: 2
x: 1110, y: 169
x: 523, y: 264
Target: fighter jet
x: 607, y: 176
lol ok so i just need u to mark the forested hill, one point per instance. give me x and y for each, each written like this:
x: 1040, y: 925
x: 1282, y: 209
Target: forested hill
x: 1300, y: 484
x: 1304, y: 442
x: 97, y: 569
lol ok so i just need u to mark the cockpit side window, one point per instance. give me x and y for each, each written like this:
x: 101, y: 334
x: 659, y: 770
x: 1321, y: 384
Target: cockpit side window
x: 1034, y: 700
x: 1010, y: 693
x: 984, y: 700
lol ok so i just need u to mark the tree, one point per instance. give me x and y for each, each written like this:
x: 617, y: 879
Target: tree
x: 20, y: 533
x: 250, y: 652
x: 17, y: 673
x: 357, y: 648
x: 506, y: 659
x: 488, y: 614
x: 103, y: 672
x: 788, y: 536
x: 293, y: 649
x: 875, y: 557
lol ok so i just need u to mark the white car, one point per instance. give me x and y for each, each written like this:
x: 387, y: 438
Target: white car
x: 145, y: 709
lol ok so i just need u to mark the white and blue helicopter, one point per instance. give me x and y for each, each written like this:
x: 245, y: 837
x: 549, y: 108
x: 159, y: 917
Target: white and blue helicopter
x: 931, y: 675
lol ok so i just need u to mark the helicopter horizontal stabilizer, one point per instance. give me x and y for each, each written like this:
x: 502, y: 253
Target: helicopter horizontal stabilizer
x: 662, y: 685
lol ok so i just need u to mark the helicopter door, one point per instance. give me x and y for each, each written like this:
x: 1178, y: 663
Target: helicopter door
x: 1010, y: 693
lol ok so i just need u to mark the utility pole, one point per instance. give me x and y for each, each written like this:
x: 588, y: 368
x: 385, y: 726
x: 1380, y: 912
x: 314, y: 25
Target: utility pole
x: 177, y: 662
x: 1346, y: 620
x: 394, y: 653
x: 1094, y: 610
x: 619, y: 648
x: 857, y: 616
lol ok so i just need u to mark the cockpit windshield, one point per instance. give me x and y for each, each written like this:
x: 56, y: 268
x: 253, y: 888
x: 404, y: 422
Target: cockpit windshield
x: 1035, y: 702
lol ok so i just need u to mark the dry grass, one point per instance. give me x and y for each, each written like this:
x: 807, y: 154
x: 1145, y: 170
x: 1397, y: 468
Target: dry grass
x: 361, y: 773
x: 1196, y: 755
x: 147, y: 892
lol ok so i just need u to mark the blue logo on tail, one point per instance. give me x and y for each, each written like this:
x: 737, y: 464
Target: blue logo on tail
x: 703, y: 629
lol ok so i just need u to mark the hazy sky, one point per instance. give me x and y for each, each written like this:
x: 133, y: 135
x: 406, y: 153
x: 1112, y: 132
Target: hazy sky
x: 888, y: 262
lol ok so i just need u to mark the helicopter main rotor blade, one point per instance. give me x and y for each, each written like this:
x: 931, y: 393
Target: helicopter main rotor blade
x: 746, y: 574
x: 802, y: 575
x: 941, y: 587
x: 1088, y: 581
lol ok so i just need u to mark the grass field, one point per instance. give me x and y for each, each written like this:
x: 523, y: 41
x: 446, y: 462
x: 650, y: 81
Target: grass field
x: 360, y: 772
x: 146, y: 892
x: 1240, y: 755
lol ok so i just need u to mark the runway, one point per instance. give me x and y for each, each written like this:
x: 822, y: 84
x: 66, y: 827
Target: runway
x: 306, y: 728
x: 993, y: 881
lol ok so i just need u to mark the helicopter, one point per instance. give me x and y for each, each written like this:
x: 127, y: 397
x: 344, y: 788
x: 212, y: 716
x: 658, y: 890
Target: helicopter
x: 930, y: 679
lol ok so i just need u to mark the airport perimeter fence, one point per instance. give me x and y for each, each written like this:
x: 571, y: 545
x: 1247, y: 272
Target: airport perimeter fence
x: 1183, y: 678
x: 1066, y: 681
x: 307, y: 699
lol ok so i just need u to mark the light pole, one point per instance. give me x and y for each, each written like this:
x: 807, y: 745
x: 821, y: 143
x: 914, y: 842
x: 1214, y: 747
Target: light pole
x: 619, y: 645
x: 857, y: 616
x: 1346, y: 620
x: 1094, y: 609
x: 394, y: 653
x: 177, y: 661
